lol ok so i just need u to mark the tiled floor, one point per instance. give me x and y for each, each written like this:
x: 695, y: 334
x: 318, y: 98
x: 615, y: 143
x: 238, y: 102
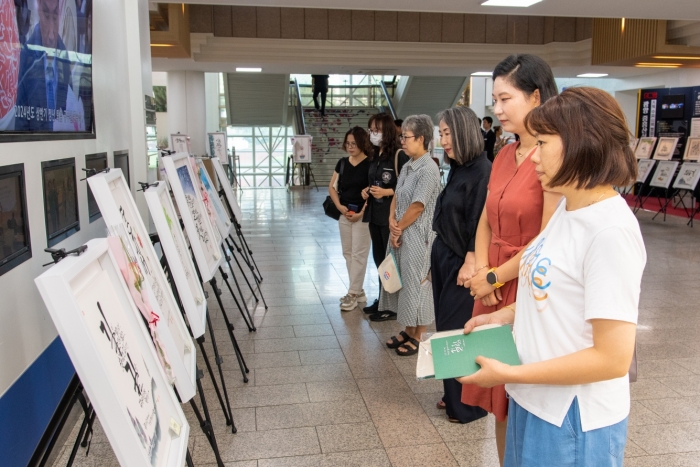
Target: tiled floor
x: 325, y: 391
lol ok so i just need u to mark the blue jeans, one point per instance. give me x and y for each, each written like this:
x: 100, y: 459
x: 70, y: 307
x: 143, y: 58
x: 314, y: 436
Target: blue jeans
x: 532, y: 442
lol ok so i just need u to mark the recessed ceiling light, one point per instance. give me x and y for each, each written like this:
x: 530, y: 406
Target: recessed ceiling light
x: 592, y: 75
x: 513, y: 3
x: 666, y: 57
x: 658, y: 65
x: 248, y: 70
x: 483, y: 73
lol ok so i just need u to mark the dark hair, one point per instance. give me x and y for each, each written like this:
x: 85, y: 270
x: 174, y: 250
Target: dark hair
x: 496, y: 128
x: 361, y: 139
x: 479, y: 121
x: 467, y: 142
x: 594, y: 135
x: 528, y: 73
x: 488, y: 119
x: 390, y: 139
x: 398, y: 122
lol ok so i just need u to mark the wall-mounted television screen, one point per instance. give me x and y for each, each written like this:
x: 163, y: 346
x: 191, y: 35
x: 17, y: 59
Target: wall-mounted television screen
x: 60, y: 200
x: 15, y: 247
x: 97, y: 162
x: 672, y: 106
x: 46, y: 70
x: 121, y: 161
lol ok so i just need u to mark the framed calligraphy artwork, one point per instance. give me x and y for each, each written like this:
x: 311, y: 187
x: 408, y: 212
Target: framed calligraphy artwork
x: 217, y: 145
x: 228, y: 191
x: 222, y: 218
x: 112, y: 353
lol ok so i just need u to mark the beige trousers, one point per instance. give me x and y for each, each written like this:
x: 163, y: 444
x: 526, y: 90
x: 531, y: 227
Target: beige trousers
x: 355, y: 239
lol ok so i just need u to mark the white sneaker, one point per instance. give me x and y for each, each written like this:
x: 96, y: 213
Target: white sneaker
x: 344, y: 297
x: 362, y: 298
x: 349, y: 304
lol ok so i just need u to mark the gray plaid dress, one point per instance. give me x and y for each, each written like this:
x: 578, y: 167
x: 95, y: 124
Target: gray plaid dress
x: 419, y: 181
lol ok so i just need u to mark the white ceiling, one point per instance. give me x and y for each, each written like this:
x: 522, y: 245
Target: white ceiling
x: 648, y: 9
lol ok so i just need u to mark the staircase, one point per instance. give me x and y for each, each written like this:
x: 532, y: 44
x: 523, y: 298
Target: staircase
x: 328, y: 133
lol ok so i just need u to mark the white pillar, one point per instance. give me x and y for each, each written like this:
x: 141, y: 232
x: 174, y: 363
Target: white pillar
x: 187, y: 107
x: 211, y: 87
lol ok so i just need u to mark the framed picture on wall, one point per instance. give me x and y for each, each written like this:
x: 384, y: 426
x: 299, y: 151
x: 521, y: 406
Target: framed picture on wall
x: 121, y: 161
x: 228, y: 190
x: 60, y: 200
x: 692, y: 149
x: 223, y: 221
x: 174, y: 245
x: 111, y: 350
x: 15, y: 242
x: 663, y: 174
x: 124, y: 221
x: 644, y: 148
x: 688, y: 176
x: 203, y: 235
x: 644, y: 167
x: 665, y: 148
x: 97, y: 162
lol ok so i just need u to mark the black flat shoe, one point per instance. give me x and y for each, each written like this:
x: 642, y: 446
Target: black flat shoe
x: 373, y: 308
x: 382, y: 316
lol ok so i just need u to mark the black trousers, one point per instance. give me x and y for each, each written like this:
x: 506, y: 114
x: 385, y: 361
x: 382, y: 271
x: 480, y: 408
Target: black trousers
x: 323, y: 93
x: 453, y: 308
x: 380, y: 239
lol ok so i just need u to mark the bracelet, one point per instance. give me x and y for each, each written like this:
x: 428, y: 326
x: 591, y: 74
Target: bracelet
x: 510, y: 307
x: 482, y: 267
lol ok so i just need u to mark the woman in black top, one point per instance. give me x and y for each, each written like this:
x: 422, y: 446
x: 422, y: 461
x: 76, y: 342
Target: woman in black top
x: 457, y: 213
x: 382, y: 180
x: 351, y: 177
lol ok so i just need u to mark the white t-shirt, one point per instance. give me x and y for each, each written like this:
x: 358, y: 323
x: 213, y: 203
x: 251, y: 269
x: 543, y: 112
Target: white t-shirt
x: 586, y: 264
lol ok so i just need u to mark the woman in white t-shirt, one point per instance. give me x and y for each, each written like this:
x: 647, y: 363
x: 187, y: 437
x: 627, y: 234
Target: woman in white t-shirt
x: 578, y: 294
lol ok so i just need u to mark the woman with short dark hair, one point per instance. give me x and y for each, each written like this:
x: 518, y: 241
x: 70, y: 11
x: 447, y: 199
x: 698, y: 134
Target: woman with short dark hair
x: 457, y: 213
x: 578, y: 298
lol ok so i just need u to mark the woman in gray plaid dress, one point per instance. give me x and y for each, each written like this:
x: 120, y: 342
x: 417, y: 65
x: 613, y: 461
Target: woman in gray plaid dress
x: 412, y: 235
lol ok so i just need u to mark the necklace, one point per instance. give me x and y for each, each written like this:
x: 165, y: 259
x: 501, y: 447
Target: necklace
x: 599, y: 198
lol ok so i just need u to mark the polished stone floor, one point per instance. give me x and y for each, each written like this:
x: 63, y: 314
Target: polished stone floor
x: 325, y: 391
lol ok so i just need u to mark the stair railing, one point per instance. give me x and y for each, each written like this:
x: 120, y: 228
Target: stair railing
x: 299, y: 123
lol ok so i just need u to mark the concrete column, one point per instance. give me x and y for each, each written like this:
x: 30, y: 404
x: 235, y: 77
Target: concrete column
x: 187, y: 107
x: 211, y: 86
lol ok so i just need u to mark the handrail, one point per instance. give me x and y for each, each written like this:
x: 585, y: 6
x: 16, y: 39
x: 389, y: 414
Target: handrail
x: 298, y: 110
x: 388, y: 100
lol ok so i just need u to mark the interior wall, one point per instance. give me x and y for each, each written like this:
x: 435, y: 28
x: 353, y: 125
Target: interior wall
x: 30, y: 385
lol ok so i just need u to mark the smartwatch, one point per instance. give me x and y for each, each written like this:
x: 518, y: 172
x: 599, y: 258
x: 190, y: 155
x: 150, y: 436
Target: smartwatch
x: 492, y: 279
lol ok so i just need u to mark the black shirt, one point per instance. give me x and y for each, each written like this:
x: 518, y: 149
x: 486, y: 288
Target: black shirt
x: 489, y: 143
x: 461, y: 203
x: 320, y: 82
x: 352, y: 182
x: 382, y: 173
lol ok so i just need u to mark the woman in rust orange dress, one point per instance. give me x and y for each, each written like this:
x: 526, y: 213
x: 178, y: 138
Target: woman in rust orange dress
x: 516, y: 210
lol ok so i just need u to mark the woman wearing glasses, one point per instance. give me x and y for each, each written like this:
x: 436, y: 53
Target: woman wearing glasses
x: 411, y: 237
x: 351, y: 176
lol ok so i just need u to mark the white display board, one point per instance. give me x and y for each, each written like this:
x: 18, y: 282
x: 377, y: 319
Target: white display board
x: 645, y: 148
x: 122, y: 218
x: 692, y: 149
x: 644, y: 167
x: 204, y: 237
x: 301, y: 149
x: 223, y: 221
x: 665, y: 148
x: 174, y: 245
x: 228, y: 190
x: 180, y: 143
x: 688, y: 176
x: 114, y: 358
x: 217, y: 145
x: 663, y: 174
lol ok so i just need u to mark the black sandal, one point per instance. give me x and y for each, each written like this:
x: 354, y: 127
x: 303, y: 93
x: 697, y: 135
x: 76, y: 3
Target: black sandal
x: 395, y: 343
x: 408, y: 350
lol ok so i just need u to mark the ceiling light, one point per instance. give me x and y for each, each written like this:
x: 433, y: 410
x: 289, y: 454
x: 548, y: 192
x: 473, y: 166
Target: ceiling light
x: 248, y: 70
x: 592, y: 75
x: 658, y: 65
x: 161, y: 45
x: 665, y: 57
x: 483, y: 73
x: 513, y: 3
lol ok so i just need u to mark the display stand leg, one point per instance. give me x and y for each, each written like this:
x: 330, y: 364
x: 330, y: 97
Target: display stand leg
x: 243, y: 273
x: 205, y: 422
x: 85, y: 429
x: 311, y: 174
x: 230, y: 328
x: 248, y: 320
x: 694, y: 210
x: 664, y: 208
x: 188, y: 459
x: 247, y: 252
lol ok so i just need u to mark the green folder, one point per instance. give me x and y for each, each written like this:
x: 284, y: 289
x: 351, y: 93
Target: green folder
x: 454, y: 356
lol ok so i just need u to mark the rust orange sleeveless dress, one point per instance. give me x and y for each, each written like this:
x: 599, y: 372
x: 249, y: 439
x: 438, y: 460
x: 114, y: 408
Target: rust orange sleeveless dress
x: 514, y: 209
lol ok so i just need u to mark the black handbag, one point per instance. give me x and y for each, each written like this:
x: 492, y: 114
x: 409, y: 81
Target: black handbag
x: 328, y: 205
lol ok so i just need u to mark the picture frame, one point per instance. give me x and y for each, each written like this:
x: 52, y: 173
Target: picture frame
x: 113, y: 355
x: 692, y: 149
x: 633, y: 144
x: 663, y: 174
x: 644, y: 168
x: 203, y: 235
x: 180, y: 143
x: 665, y: 147
x: 229, y: 193
x: 645, y: 148
x: 121, y: 161
x: 174, y: 245
x: 15, y: 240
x: 688, y: 176
x: 123, y: 219
x: 61, y: 210
x: 223, y: 220
x: 301, y: 149
x: 217, y: 145
x: 96, y: 162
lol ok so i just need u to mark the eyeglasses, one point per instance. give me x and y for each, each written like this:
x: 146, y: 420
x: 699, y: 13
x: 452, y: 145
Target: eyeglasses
x: 404, y: 138
x: 372, y: 132
x: 351, y: 145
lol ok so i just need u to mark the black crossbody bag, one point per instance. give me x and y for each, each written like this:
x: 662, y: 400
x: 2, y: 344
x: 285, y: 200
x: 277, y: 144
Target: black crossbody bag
x: 328, y: 205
